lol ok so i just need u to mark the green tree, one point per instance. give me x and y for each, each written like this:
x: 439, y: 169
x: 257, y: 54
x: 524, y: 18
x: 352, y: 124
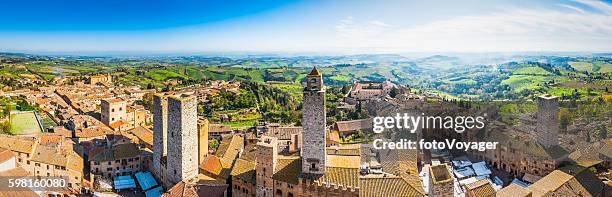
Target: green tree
x: 394, y: 92
x: 603, y: 132
x: 214, y: 144
x: 565, y: 119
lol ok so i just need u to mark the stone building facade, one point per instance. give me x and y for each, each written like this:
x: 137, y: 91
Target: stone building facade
x: 362, y: 91
x: 94, y: 79
x: 547, y: 129
x: 266, y: 160
x: 314, y: 122
x: 117, y: 160
x: 113, y: 110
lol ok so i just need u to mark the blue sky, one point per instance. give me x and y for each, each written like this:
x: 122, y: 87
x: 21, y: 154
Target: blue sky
x: 341, y: 26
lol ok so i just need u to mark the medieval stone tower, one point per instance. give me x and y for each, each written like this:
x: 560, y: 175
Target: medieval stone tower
x: 547, y: 129
x: 160, y: 129
x: 175, y: 138
x: 182, y: 138
x: 267, y: 157
x: 314, y: 121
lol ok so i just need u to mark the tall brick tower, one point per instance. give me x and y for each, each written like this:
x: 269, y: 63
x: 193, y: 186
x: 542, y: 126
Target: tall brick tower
x: 182, y: 138
x: 547, y: 129
x: 313, y: 120
x: 267, y: 157
x: 160, y: 130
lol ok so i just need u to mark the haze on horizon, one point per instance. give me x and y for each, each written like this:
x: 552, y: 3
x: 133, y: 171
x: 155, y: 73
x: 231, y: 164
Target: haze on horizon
x: 73, y: 26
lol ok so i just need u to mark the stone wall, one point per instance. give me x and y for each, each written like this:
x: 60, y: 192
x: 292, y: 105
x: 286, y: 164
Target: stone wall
x: 547, y: 125
x: 314, y: 134
x: 160, y: 123
x: 266, y: 160
x: 182, y: 138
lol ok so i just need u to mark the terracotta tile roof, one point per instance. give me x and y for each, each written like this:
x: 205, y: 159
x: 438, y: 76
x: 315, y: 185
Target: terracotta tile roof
x: 51, y: 138
x: 527, y: 146
x: 387, y: 186
x: 16, y: 172
x: 219, y: 128
x: 5, y: 155
x: 593, y: 154
x: 402, y: 163
x: 190, y: 189
x: 18, y: 144
x: 75, y: 162
x: 113, y: 100
x: 288, y: 169
x: 117, y: 124
x: 482, y: 188
x: 234, y: 147
x: 513, y: 190
x: 143, y: 134
x: 340, y: 161
x: 353, y: 125
x: 60, y: 130
x: 568, y: 181
x: 283, y: 133
x: 116, y: 152
x: 212, y: 164
x: 249, y: 152
x: 244, y: 170
x: 333, y: 136
x: 91, y: 132
x: 314, y: 72
x: 50, y: 155
x: 180, y: 190
x: 347, y: 177
x: 347, y: 150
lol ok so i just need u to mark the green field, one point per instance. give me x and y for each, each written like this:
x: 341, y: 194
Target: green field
x: 582, y: 66
x: 597, y: 66
x: 519, y: 83
x: 23, y: 123
x: 248, y: 123
x: 531, y: 70
x: 602, y: 68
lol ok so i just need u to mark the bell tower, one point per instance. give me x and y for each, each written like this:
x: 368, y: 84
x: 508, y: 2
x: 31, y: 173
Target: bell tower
x: 314, y: 122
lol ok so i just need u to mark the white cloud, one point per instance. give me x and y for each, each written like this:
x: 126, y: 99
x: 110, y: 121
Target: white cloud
x: 507, y: 30
x: 572, y: 8
x: 599, y: 5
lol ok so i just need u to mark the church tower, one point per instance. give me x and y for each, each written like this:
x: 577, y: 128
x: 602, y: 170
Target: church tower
x: 313, y: 121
